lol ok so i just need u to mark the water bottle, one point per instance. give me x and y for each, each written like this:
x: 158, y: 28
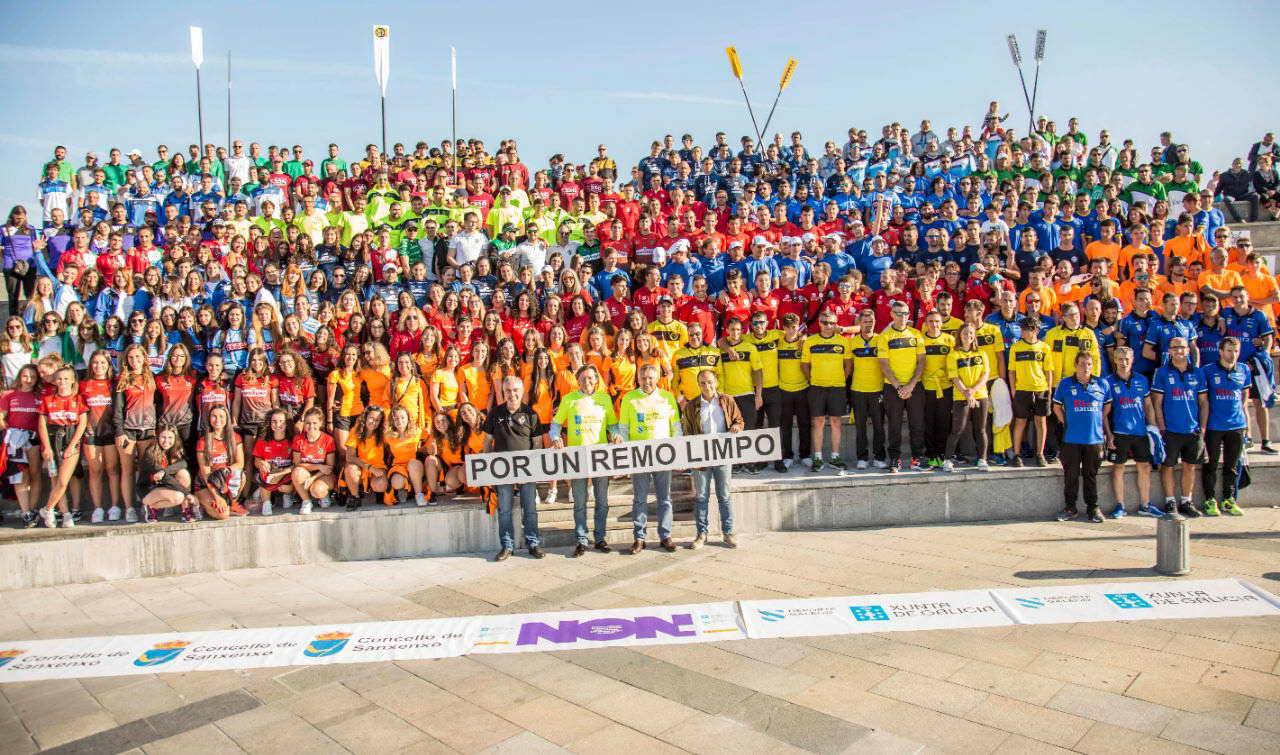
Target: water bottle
x: 51, y: 466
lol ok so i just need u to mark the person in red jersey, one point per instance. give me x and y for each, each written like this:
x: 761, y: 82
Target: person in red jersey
x: 845, y: 307
x: 273, y: 462
x: 164, y: 481
x: 134, y: 408
x: 220, y: 457
x: 254, y: 397
x: 818, y: 292
x: 19, y: 420
x: 63, y: 419
x: 295, y: 390
x: 101, y: 457
x: 176, y: 389
x: 647, y: 296
x: 314, y: 461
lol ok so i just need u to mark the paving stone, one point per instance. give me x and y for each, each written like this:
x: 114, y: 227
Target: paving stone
x: 617, y: 738
x: 641, y: 710
x: 526, y: 743
x: 1243, y: 681
x: 1264, y: 715
x: 1210, y: 733
x: 798, y: 726
x: 1193, y: 698
x: 934, y: 694
x: 555, y: 720
x: 1019, y: 685
x: 377, y: 731
x: 1017, y: 717
x: 693, y: 689
x: 205, y: 739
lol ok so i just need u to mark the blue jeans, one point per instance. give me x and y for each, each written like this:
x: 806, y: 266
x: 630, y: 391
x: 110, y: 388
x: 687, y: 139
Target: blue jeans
x: 578, y: 486
x: 528, y: 516
x: 661, y: 483
x: 702, y: 479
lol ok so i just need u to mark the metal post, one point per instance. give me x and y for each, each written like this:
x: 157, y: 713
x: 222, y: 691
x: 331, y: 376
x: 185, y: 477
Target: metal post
x: 769, y: 119
x: 759, y: 138
x: 384, y: 126
x: 1173, y: 546
x: 454, y: 105
x: 199, y: 111
x: 228, y: 102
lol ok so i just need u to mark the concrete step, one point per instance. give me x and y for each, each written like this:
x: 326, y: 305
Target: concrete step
x: 619, y: 508
x: 618, y: 533
x: 1263, y: 235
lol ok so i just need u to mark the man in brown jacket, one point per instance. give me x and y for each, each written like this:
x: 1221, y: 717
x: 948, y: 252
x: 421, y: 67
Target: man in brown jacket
x: 712, y: 412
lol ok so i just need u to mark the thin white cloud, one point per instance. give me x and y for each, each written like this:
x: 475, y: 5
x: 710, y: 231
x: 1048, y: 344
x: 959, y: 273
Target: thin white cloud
x: 671, y: 97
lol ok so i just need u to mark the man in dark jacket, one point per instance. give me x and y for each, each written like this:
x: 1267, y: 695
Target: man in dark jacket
x: 1236, y: 185
x: 712, y: 412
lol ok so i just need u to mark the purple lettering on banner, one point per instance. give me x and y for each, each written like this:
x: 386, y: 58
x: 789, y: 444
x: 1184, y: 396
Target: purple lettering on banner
x: 606, y: 629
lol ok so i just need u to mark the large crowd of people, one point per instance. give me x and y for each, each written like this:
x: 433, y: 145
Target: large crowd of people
x: 211, y: 333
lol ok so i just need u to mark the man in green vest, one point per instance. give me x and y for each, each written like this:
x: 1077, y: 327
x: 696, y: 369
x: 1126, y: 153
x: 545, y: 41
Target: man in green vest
x: 585, y: 417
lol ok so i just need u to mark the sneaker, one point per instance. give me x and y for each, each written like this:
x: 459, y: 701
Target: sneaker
x: 880, y: 464
x: 1268, y: 449
x: 780, y: 467
x: 1230, y: 508
x: 68, y: 522
x: 113, y: 514
x: 894, y: 468
x: 1248, y: 443
x: 286, y: 501
x: 305, y: 507
x: 1016, y: 462
x: 1041, y: 461
x: 130, y: 515
x: 420, y: 499
x: 188, y: 514
x: 806, y: 462
x: 1151, y: 510
x: 1000, y: 460
x: 29, y: 519
x: 1211, y: 507
x: 266, y: 508
x: 238, y: 510
x: 1095, y: 516
x: 76, y: 515
x: 1050, y: 458
x: 46, y: 518
x: 861, y: 466
x: 199, y: 512
x: 1067, y: 515
x: 550, y: 497
x: 916, y: 466
x: 983, y: 466
x: 788, y: 464
x: 948, y: 466
x: 750, y: 469
x: 838, y: 463
x: 934, y: 463
x: 99, y: 516
x: 1186, y: 509
x: 1119, y: 512
x: 325, y: 502
x: 148, y: 514
x: 815, y: 463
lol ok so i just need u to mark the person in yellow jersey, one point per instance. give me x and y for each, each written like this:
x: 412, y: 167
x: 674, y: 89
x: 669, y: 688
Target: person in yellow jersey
x: 826, y: 366
x: 937, y: 389
x: 585, y: 417
x: 1066, y: 340
x: 867, y: 390
x: 692, y: 358
x: 793, y: 403
x: 990, y: 341
x: 766, y: 339
x: 942, y: 304
x: 900, y: 349
x: 967, y: 369
x: 649, y: 413
x: 669, y: 333
x: 741, y: 374
x: 1029, y: 359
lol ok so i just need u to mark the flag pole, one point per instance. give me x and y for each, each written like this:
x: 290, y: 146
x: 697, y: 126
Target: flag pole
x: 229, y: 102
x: 787, y: 72
x: 199, y: 112
x: 453, y: 69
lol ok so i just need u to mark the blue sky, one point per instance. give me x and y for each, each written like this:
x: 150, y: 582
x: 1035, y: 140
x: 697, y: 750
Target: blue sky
x: 565, y: 76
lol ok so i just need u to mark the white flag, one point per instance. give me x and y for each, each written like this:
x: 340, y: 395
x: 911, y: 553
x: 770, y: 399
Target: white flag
x: 197, y: 46
x: 382, y: 55
x: 453, y: 60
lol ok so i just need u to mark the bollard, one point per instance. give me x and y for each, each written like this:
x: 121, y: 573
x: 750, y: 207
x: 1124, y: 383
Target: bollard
x: 1173, y: 546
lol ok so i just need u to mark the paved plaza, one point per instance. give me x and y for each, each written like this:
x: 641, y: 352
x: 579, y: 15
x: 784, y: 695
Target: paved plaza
x: 1143, y: 687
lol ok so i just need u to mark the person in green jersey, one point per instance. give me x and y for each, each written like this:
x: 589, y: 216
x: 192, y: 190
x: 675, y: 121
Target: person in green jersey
x: 650, y: 413
x: 585, y: 417
x: 825, y: 363
x: 900, y: 349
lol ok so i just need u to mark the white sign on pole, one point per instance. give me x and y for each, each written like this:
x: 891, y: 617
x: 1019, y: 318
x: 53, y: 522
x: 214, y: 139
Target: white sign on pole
x: 382, y: 55
x: 872, y: 613
x: 632, y: 457
x: 197, y: 46
x: 453, y: 65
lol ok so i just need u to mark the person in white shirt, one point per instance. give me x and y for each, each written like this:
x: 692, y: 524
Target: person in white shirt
x: 467, y: 245
x: 238, y: 164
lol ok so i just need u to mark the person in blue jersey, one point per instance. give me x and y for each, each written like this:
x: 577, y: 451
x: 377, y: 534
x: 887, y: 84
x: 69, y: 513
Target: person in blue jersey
x: 1249, y: 325
x: 1132, y: 332
x: 1210, y: 329
x: 874, y: 265
x: 1127, y: 416
x: 1079, y: 403
x: 1167, y: 327
x: 1180, y: 401
x: 1228, y: 381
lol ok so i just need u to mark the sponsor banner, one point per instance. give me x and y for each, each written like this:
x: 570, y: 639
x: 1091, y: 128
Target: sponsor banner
x: 1173, y: 599
x: 872, y: 613
x: 631, y: 457
x: 572, y: 630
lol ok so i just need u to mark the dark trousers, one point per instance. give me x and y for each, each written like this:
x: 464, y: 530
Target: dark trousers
x: 747, y: 405
x: 1251, y: 198
x: 19, y: 287
x: 1228, y: 444
x: 894, y: 407
x: 771, y: 414
x: 966, y: 423
x: 937, y: 421
x: 868, y: 408
x: 794, y: 413
x: 1080, y: 462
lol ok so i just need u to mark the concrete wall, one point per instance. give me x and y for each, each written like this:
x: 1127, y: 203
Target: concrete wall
x: 43, y: 558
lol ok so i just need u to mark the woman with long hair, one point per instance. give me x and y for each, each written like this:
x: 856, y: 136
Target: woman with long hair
x: 265, y: 332
x: 41, y: 301
x: 445, y: 386
x: 314, y: 462
x: 20, y: 243
x: 254, y: 398
x: 62, y: 423
x: 220, y: 457
x: 15, y: 349
x: 366, y: 468
x: 408, y: 390
x: 473, y: 377
x: 134, y: 410
x: 344, y: 402
x: 156, y: 345
x: 19, y: 420
x: 443, y: 467
x: 176, y: 391
x: 233, y: 341
x: 164, y: 481
x: 622, y: 367
x: 375, y: 377
x: 273, y: 461
x: 102, y: 460
x: 403, y: 437
x: 428, y: 355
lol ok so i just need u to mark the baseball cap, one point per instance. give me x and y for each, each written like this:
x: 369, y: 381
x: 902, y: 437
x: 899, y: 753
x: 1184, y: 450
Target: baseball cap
x: 735, y: 243
x: 390, y: 266
x: 759, y: 240
x: 976, y: 266
x: 308, y: 162
x: 509, y: 228
x: 94, y: 155
x: 808, y: 237
x: 548, y: 269
x: 666, y: 300
x: 133, y: 152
